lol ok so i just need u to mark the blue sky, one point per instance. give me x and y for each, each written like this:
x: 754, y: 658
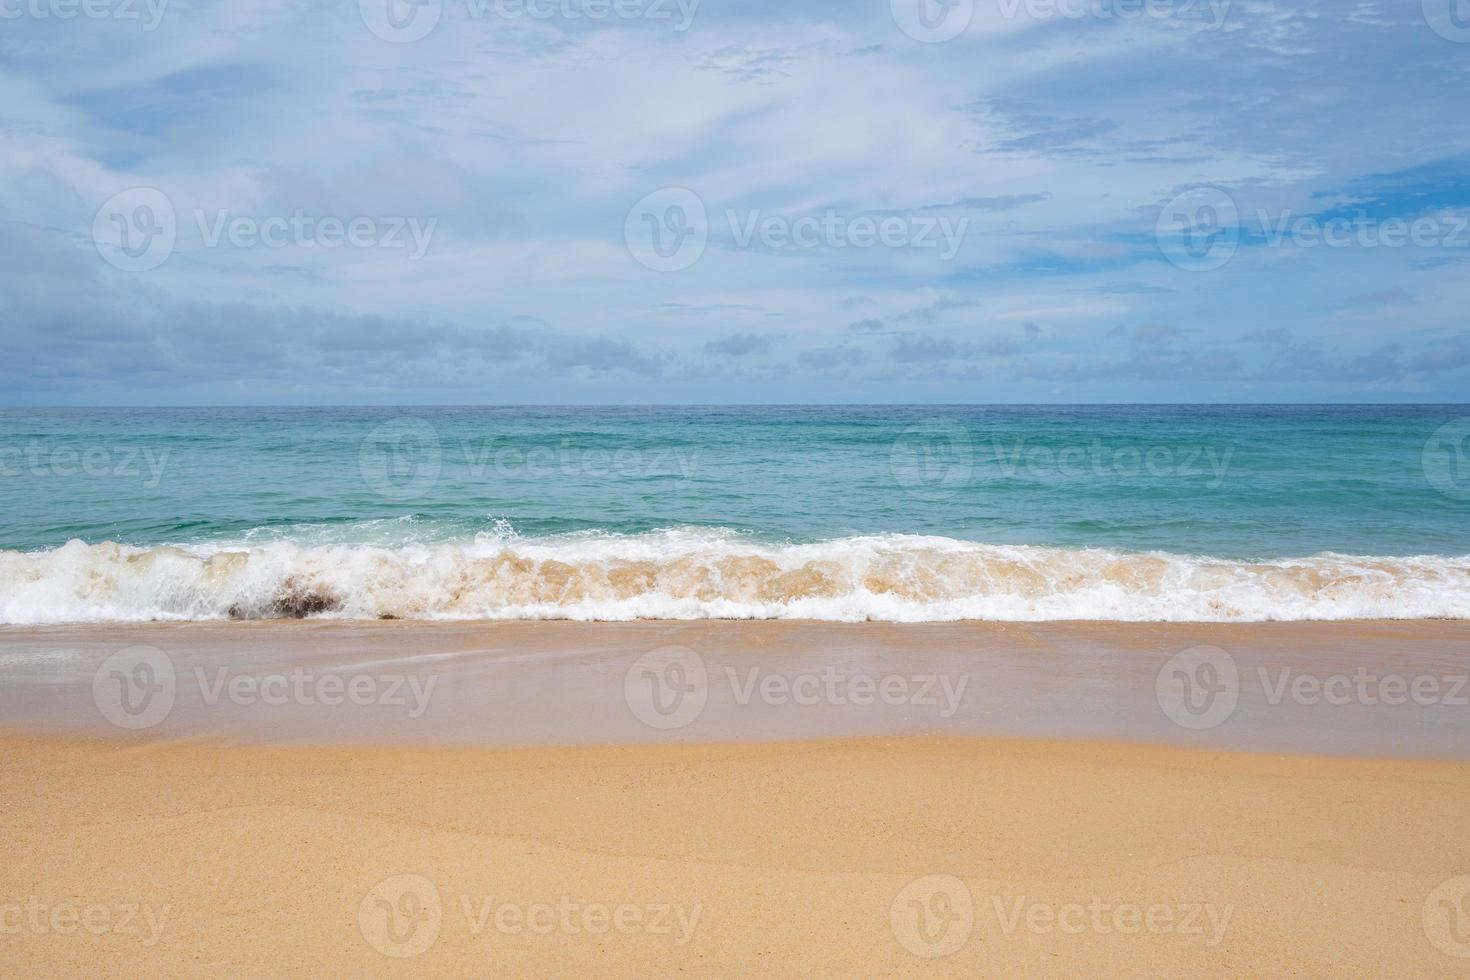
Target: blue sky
x: 664, y: 201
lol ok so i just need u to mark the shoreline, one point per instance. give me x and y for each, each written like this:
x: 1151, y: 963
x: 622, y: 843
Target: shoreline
x: 684, y: 572
x: 1338, y: 688
x: 876, y: 856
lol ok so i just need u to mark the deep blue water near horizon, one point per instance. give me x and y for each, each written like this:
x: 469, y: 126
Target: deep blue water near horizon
x: 1246, y: 482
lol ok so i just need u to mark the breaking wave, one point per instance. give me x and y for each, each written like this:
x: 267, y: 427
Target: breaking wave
x: 696, y: 573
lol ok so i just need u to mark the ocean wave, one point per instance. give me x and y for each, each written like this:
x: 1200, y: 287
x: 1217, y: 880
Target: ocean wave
x: 689, y: 573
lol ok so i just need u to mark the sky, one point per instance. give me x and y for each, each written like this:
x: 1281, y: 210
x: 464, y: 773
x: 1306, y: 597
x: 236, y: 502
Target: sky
x: 733, y: 201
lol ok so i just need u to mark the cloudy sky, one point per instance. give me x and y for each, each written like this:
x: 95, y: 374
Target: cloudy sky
x: 671, y: 201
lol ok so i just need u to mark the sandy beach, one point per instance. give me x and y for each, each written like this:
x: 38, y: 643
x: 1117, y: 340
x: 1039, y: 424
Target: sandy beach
x: 850, y: 858
x: 525, y: 799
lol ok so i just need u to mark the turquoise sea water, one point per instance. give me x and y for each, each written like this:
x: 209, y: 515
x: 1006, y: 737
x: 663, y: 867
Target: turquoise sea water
x: 407, y: 493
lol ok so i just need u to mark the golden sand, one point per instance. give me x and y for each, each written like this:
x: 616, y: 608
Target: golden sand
x: 861, y: 857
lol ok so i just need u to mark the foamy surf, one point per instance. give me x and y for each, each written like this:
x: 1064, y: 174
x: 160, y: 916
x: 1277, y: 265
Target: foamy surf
x: 703, y: 574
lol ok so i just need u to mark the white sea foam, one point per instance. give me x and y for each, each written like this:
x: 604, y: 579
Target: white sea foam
x: 703, y: 574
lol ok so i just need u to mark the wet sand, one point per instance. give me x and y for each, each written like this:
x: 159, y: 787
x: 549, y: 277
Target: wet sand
x: 1315, y: 688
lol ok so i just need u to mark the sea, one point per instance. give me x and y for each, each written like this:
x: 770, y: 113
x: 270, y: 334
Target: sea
x: 844, y: 513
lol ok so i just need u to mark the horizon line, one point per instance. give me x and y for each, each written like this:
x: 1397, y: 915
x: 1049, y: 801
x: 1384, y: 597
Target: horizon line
x: 674, y: 405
